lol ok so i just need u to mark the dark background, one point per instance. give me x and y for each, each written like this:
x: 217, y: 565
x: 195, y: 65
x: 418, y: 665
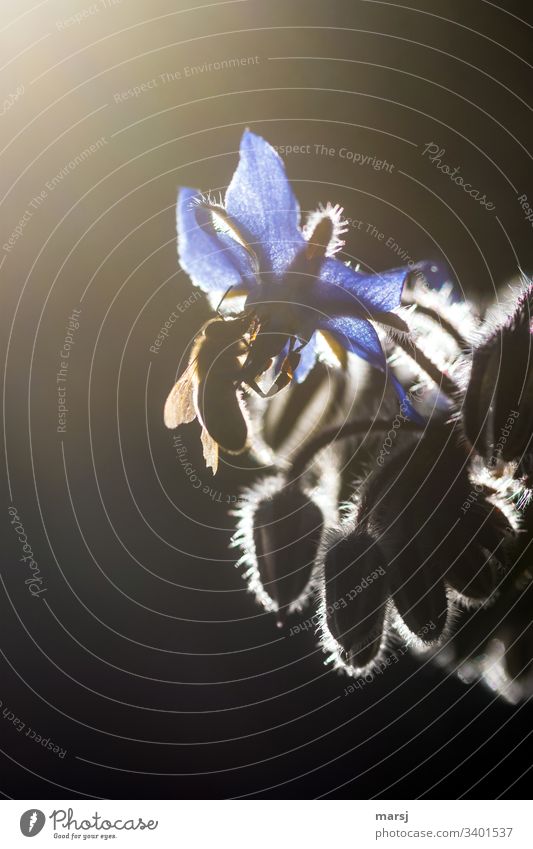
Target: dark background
x: 146, y: 659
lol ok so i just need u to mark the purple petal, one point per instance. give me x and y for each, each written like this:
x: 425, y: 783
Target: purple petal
x: 438, y: 276
x: 308, y: 357
x: 307, y: 360
x: 405, y: 402
x: 382, y: 291
x: 213, y: 260
x: 261, y: 201
x: 280, y: 359
x: 358, y: 336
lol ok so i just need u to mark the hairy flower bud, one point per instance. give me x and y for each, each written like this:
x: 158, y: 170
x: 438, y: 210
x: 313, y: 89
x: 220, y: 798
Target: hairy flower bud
x: 355, y: 600
x: 437, y: 528
x: 517, y: 636
x: 498, y: 406
x: 287, y: 532
x: 280, y: 532
x: 495, y: 643
x: 431, y: 536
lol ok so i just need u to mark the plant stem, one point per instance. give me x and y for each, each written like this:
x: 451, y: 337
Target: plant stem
x: 443, y: 322
x: 445, y: 383
x: 338, y: 432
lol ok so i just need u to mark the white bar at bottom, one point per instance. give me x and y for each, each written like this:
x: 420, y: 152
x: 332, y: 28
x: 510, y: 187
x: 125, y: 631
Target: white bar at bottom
x: 267, y: 824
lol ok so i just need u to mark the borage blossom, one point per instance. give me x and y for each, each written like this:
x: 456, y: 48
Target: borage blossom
x: 296, y: 293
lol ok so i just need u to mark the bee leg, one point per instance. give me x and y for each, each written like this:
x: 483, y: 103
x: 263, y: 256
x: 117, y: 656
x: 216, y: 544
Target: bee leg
x: 280, y: 383
x: 274, y: 389
x: 286, y: 374
x: 251, y: 384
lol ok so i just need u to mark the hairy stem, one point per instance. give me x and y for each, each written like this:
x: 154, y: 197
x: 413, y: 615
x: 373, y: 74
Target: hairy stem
x: 445, y: 383
x: 339, y: 432
x: 443, y: 322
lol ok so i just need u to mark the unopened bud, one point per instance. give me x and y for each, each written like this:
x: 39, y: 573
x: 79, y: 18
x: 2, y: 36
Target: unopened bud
x: 355, y: 602
x: 498, y: 405
x: 280, y: 532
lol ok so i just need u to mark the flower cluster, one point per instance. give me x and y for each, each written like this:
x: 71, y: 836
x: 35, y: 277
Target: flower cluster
x: 396, y: 502
x: 292, y: 296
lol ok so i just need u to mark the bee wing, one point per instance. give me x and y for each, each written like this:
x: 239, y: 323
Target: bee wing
x: 210, y: 449
x: 179, y: 406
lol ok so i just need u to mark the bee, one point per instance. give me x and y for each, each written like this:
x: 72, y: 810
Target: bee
x: 208, y: 389
x: 220, y: 366
x: 224, y: 360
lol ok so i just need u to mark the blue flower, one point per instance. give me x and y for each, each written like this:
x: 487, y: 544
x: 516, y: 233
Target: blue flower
x: 253, y: 246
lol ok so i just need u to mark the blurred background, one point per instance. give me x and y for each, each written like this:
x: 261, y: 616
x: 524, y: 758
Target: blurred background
x: 137, y: 653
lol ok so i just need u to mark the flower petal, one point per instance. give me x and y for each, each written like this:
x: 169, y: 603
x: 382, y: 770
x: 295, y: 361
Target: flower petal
x: 437, y: 275
x: 381, y: 292
x: 261, y: 200
x: 213, y: 260
x: 358, y: 336
x: 307, y: 360
x: 308, y: 357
